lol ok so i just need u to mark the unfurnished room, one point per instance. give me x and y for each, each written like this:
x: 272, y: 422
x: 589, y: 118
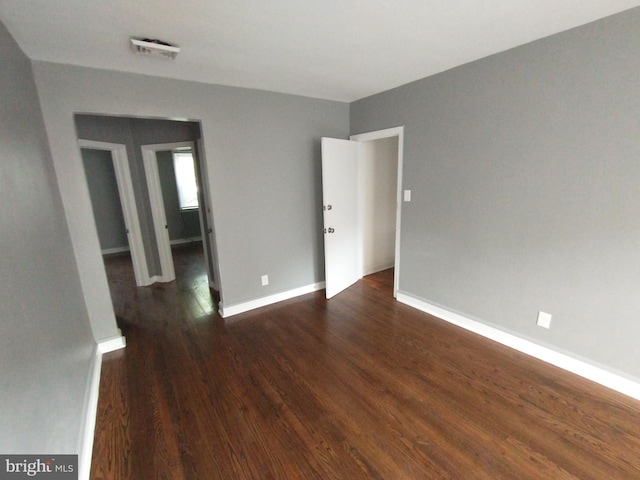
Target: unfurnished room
x: 320, y: 240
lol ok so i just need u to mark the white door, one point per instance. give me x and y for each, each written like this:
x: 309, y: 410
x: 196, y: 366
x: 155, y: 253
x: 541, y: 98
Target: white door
x: 342, y: 241
x: 158, y: 214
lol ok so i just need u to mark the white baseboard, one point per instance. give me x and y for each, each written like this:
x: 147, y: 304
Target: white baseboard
x: 108, y: 251
x: 85, y: 450
x: 264, y: 301
x: 112, y: 344
x: 157, y: 279
x: 180, y: 241
x: 579, y: 367
x: 371, y: 269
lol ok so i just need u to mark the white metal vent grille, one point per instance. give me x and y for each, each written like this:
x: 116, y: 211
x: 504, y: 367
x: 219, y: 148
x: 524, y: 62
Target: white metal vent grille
x: 147, y: 46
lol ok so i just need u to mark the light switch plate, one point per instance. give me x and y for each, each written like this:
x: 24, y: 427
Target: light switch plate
x: 407, y: 195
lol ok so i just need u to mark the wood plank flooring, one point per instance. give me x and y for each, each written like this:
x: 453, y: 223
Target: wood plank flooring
x: 358, y: 387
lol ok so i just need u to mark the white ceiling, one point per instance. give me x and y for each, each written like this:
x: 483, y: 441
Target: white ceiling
x: 334, y: 49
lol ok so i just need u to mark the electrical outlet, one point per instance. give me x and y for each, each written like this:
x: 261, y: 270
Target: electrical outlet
x: 265, y: 280
x: 544, y: 320
x: 407, y: 195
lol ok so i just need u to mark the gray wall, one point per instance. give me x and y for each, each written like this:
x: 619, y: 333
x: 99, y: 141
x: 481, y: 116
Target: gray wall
x: 182, y: 225
x: 133, y: 133
x: 105, y: 199
x: 525, y: 172
x: 263, y: 166
x: 46, y: 343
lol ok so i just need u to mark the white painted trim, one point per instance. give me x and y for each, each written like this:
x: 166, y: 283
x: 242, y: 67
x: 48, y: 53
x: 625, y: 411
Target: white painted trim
x: 571, y: 364
x: 177, y: 241
x: 377, y: 135
x: 371, y: 269
x: 157, y: 279
x: 85, y: 448
x: 90, y: 409
x: 182, y: 241
x: 109, y: 251
x: 128, y: 203
x: 112, y: 344
x: 226, y: 312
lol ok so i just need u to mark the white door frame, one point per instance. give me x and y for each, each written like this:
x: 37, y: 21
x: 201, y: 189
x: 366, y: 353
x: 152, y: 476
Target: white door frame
x: 377, y: 135
x: 158, y: 213
x: 128, y: 203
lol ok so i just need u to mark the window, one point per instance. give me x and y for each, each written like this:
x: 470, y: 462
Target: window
x: 184, y: 167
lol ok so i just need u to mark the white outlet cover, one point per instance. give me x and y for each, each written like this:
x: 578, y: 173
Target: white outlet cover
x: 407, y: 195
x: 265, y: 280
x: 544, y: 320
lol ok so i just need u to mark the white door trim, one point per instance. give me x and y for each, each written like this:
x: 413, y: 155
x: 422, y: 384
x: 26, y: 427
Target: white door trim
x: 376, y: 135
x: 206, y: 219
x: 129, y: 209
x: 158, y: 213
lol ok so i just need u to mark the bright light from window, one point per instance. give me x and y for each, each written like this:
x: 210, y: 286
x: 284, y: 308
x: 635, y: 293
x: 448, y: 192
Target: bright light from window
x: 185, y: 179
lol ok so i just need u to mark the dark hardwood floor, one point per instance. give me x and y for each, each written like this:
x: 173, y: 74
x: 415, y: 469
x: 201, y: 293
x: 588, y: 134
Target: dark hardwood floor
x: 358, y: 387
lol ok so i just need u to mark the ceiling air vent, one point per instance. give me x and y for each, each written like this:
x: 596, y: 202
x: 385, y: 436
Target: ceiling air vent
x: 154, y: 47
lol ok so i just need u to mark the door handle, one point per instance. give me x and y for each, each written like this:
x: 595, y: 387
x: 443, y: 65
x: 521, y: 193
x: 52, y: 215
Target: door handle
x: 327, y: 207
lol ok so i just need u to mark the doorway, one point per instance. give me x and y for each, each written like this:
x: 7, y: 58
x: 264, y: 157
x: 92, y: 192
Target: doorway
x: 369, y: 168
x: 164, y: 157
x: 390, y: 134
x: 111, y: 190
x: 133, y: 133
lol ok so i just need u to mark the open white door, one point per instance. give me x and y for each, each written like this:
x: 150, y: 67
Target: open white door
x: 158, y: 214
x: 206, y: 219
x: 342, y: 242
